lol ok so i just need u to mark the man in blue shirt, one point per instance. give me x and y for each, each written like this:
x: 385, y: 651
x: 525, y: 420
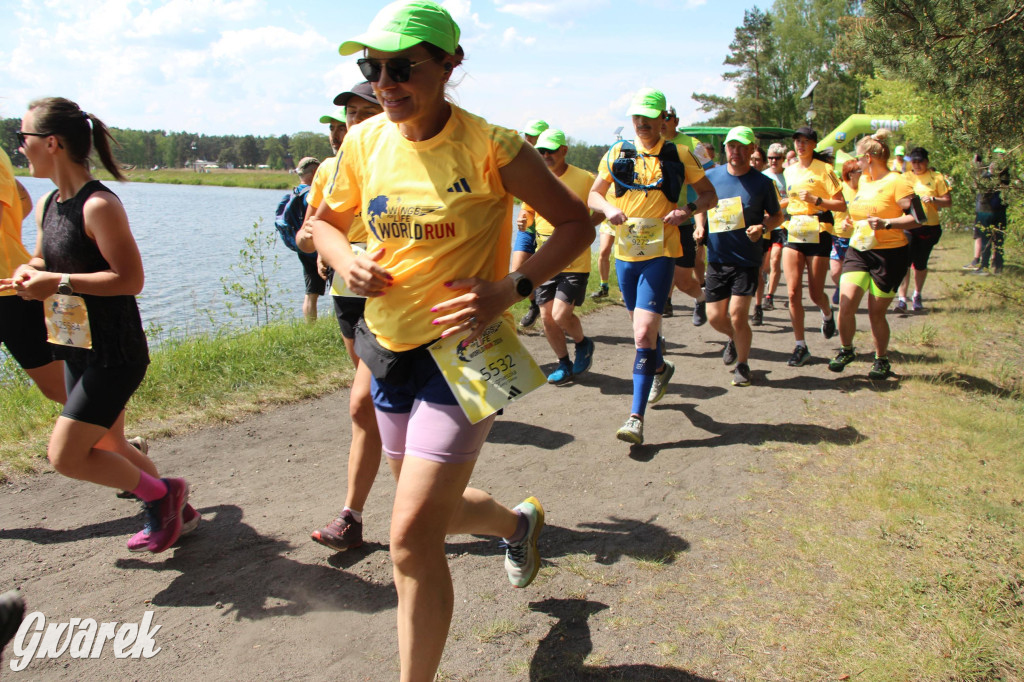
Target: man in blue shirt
x: 748, y: 208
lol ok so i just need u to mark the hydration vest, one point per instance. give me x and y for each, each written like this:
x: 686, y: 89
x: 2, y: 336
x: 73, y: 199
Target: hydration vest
x: 673, y: 171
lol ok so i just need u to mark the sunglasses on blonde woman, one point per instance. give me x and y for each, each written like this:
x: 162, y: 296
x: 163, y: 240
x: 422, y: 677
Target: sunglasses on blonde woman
x: 22, y: 136
x: 399, y: 69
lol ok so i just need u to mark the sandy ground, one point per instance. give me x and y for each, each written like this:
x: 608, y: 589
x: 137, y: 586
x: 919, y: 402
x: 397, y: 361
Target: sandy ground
x: 249, y: 596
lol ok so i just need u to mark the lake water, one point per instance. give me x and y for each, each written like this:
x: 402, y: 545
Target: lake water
x: 189, y: 237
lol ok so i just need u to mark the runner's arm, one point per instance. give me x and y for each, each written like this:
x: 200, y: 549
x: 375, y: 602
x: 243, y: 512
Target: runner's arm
x: 361, y: 273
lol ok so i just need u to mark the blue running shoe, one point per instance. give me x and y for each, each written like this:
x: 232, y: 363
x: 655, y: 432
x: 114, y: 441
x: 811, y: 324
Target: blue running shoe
x: 584, y: 356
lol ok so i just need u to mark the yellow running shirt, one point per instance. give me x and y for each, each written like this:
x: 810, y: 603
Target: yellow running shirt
x: 12, y: 251
x: 819, y: 178
x: 840, y: 216
x: 437, y: 207
x: 579, y: 182
x: 322, y: 184
x: 878, y: 198
x: 650, y: 203
x: 930, y: 184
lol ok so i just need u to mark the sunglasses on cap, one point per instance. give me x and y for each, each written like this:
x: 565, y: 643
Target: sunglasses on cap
x: 22, y: 135
x: 399, y: 69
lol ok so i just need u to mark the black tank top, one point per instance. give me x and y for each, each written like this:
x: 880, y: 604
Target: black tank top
x: 117, y: 334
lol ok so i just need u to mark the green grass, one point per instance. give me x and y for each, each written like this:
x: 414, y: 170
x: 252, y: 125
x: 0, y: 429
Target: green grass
x: 256, y: 179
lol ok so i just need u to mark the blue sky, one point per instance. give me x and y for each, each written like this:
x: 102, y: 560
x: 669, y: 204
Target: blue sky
x: 262, y: 67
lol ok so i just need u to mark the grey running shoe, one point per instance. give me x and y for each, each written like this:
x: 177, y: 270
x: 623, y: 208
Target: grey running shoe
x: 881, y: 369
x: 800, y: 356
x: 828, y: 327
x: 531, y: 316
x: 757, y: 319
x: 522, y: 560
x: 844, y: 357
x: 729, y: 354
x: 918, y: 304
x: 602, y: 292
x: 981, y: 272
x: 973, y: 265
x: 700, y: 313
x: 632, y: 431
x: 769, y: 302
x: 667, y: 311
x: 900, y: 307
x: 660, y: 384
x: 741, y: 375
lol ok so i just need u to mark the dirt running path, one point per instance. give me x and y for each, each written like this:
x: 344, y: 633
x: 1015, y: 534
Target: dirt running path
x: 249, y: 596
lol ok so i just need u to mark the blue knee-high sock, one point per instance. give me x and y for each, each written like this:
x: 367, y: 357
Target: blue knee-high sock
x: 644, y: 368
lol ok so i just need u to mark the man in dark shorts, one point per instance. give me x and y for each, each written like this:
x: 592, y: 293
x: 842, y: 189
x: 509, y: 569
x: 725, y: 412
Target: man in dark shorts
x: 316, y: 286
x: 748, y: 208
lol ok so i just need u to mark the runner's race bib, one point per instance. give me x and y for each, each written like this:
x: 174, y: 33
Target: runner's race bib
x: 863, y: 237
x: 727, y: 216
x: 640, y: 238
x: 489, y: 373
x: 803, y: 229
x: 67, y: 321
x: 338, y: 287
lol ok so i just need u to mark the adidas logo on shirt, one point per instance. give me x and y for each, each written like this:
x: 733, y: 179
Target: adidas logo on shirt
x: 460, y: 186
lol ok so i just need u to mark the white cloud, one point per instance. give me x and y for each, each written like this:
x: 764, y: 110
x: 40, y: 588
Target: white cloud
x: 512, y: 37
x: 556, y: 11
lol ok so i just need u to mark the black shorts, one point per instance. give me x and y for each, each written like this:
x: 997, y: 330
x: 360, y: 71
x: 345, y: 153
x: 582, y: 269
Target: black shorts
x: 766, y: 245
x: 823, y: 249
x: 348, y: 310
x: 96, y: 395
x: 723, y: 281
x: 23, y: 331
x: 689, y: 257
x: 570, y: 287
x: 887, y: 267
x: 315, y: 284
x: 779, y: 236
x: 922, y: 240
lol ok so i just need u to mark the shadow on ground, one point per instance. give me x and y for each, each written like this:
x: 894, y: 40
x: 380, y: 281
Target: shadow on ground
x: 561, y: 653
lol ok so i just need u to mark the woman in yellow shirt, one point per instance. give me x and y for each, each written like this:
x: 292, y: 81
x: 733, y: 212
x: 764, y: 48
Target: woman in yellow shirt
x: 437, y: 204
x: 841, y: 238
x: 814, y: 192
x: 878, y: 256
x: 933, y: 189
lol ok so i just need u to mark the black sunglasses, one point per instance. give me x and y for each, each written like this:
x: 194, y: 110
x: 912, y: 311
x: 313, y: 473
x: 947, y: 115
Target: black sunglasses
x: 775, y: 158
x: 545, y: 152
x: 399, y: 69
x: 21, y: 135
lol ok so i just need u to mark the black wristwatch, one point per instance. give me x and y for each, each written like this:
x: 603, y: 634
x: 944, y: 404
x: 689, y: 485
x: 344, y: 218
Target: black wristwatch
x: 818, y: 201
x: 64, y: 288
x: 524, y: 287
x: 691, y: 207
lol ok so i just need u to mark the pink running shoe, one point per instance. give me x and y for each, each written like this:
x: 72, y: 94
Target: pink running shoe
x: 190, y: 519
x: 164, y: 519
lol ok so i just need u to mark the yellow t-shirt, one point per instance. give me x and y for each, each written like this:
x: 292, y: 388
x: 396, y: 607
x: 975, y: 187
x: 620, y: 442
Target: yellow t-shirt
x: 878, y: 198
x: 579, y: 182
x: 437, y: 207
x: 650, y: 203
x: 930, y: 184
x: 840, y: 216
x: 323, y: 183
x: 819, y: 178
x: 12, y: 251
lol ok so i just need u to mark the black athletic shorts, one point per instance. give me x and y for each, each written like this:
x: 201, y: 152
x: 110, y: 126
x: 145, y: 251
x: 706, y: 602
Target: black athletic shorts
x: 96, y: 395
x: 23, y: 332
x: 348, y: 310
x: 315, y: 284
x: 922, y: 240
x: 570, y: 287
x: 823, y: 249
x: 689, y: 257
x: 887, y: 267
x: 779, y: 236
x: 723, y: 281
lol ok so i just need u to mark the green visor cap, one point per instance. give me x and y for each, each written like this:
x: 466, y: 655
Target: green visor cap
x: 535, y: 126
x: 404, y: 24
x: 551, y: 139
x: 741, y: 134
x: 998, y: 150
x: 899, y: 150
x: 648, y: 103
x: 338, y: 116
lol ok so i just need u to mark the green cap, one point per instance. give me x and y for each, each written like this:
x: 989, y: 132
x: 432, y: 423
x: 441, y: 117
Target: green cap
x: 404, y: 24
x: 535, y: 126
x: 552, y: 139
x: 998, y: 150
x: 741, y: 134
x: 647, y: 102
x: 338, y: 116
x: 899, y: 150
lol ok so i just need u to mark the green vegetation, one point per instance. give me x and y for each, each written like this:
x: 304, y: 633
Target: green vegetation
x: 221, y: 177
